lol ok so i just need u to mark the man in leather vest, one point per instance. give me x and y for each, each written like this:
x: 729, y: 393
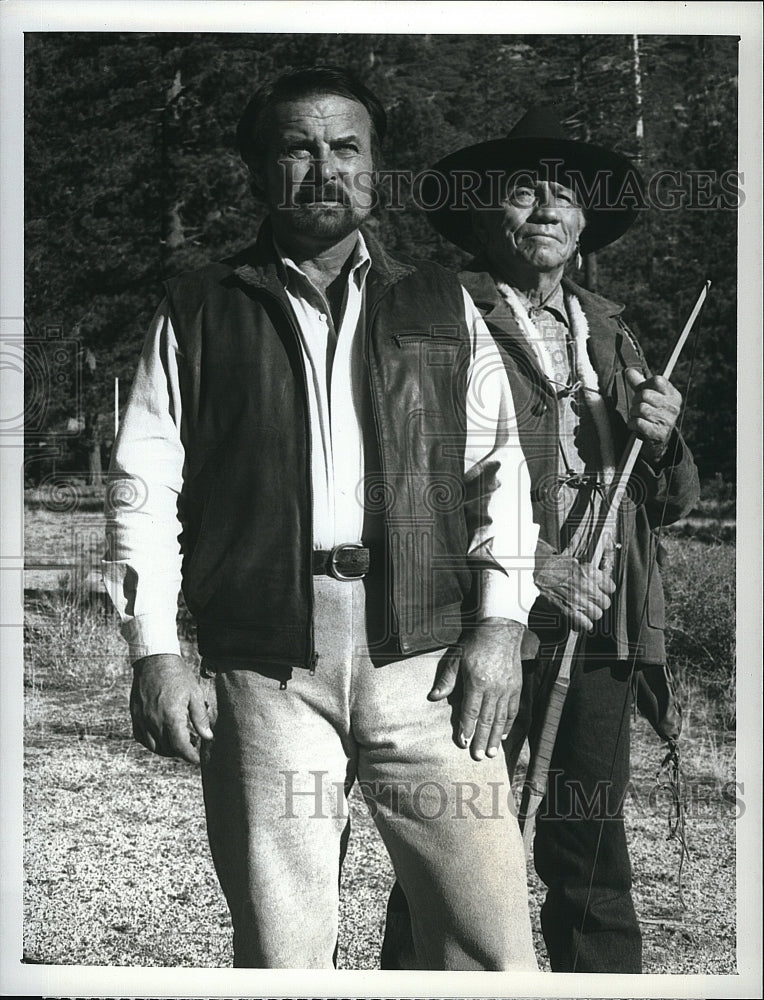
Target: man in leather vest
x: 580, y: 384
x: 320, y: 444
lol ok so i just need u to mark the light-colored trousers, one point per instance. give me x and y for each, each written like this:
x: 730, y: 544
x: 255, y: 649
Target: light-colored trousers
x: 275, y: 781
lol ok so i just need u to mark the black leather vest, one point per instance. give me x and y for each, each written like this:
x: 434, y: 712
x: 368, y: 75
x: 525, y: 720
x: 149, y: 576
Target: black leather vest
x: 246, y: 500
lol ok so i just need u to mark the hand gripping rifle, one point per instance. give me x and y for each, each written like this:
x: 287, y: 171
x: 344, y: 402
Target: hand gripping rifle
x: 603, y: 533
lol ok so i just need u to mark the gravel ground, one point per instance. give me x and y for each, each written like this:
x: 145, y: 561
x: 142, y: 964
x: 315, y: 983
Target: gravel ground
x: 117, y: 870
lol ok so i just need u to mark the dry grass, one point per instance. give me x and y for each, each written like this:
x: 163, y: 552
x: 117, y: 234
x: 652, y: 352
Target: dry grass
x: 70, y: 644
x: 699, y: 578
x: 117, y: 870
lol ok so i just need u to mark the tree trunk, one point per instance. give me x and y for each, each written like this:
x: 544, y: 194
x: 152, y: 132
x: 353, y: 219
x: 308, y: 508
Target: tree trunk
x: 590, y: 272
x: 93, y: 439
x: 640, y: 126
x: 95, y: 470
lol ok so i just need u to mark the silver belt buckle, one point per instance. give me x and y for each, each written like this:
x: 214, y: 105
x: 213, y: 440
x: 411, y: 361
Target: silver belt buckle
x: 334, y: 555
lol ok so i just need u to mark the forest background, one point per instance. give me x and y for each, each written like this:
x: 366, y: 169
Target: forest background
x: 132, y: 176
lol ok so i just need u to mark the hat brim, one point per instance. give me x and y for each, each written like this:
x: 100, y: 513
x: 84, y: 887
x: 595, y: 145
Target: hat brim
x: 609, y: 185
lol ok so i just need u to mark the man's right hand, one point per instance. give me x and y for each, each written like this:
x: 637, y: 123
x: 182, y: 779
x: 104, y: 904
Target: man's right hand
x: 579, y: 590
x: 167, y: 706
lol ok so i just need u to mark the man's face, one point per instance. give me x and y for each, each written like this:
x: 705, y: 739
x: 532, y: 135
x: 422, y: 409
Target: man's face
x: 536, y: 229
x: 317, y: 171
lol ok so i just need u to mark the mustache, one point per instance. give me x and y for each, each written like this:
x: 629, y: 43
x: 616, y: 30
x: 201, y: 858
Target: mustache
x: 309, y: 194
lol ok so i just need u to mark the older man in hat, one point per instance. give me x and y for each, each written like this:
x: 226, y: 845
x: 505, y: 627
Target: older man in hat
x: 526, y: 206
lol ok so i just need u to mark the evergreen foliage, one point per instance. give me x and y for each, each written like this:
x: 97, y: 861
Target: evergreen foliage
x: 132, y: 175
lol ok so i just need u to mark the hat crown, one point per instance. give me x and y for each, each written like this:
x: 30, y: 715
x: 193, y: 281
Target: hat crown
x: 538, y: 122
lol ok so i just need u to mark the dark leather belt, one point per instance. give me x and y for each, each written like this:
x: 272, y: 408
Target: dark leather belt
x: 343, y: 562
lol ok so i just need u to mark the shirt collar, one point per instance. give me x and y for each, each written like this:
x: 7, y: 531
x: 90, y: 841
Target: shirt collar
x: 289, y: 271
x: 555, y: 305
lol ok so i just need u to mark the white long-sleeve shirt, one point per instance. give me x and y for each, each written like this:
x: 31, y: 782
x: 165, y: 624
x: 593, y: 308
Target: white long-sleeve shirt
x: 142, y: 568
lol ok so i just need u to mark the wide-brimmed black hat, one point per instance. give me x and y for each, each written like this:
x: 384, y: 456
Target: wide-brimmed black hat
x: 609, y: 186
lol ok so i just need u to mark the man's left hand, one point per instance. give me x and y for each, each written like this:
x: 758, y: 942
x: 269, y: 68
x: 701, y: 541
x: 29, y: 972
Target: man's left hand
x: 492, y: 679
x: 655, y: 407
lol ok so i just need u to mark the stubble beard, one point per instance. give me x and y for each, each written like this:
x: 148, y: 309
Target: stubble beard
x: 325, y: 221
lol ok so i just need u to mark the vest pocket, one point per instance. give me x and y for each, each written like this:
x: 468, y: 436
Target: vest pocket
x: 438, y: 334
